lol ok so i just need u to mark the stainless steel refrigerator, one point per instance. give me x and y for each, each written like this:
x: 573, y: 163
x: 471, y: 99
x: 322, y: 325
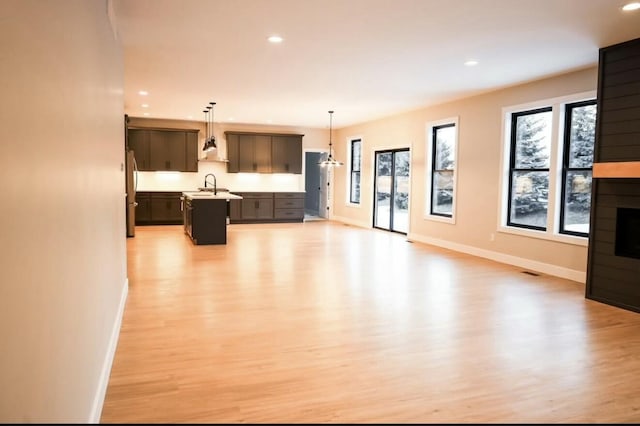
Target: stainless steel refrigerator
x: 132, y: 184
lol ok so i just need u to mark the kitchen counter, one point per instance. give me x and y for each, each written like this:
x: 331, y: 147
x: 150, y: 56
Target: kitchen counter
x: 205, y: 216
x: 222, y: 195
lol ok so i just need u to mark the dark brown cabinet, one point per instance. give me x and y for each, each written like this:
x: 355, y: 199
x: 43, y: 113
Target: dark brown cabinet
x: 205, y: 221
x: 254, y: 154
x: 286, y: 154
x: 289, y: 205
x: 143, y: 209
x: 267, y: 207
x: 164, y: 149
x: 257, y: 206
x: 167, y: 150
x: 158, y: 208
x: 191, y: 160
x: 235, y: 210
x: 263, y: 153
x: 138, y: 140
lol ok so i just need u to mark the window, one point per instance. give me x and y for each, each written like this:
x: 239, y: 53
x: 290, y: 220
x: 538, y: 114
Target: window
x: 354, y: 167
x: 547, y: 160
x: 579, y: 138
x: 441, y: 160
x: 529, y: 168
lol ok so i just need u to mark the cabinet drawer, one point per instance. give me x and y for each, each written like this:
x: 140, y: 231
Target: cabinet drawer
x: 289, y: 203
x: 287, y: 195
x: 288, y: 213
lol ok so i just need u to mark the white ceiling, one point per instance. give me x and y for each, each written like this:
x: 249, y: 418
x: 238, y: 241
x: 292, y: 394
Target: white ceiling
x: 365, y: 59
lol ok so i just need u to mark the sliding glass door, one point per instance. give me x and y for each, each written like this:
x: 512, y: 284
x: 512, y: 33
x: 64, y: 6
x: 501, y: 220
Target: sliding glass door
x: 391, y: 208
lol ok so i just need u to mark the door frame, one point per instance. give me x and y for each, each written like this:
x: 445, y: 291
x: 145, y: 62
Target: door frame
x: 374, y: 198
x: 329, y: 194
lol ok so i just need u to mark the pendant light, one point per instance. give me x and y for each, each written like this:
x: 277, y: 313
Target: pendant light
x: 210, y: 140
x: 330, y: 161
x: 206, y: 135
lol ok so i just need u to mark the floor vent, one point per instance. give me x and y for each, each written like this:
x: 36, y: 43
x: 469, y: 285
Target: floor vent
x: 535, y: 274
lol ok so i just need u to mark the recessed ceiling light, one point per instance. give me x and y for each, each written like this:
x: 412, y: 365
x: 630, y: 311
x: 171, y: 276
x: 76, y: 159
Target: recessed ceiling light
x: 230, y: 119
x: 471, y: 63
x: 631, y: 6
x: 145, y: 105
x: 275, y: 39
x: 143, y: 93
x: 189, y: 117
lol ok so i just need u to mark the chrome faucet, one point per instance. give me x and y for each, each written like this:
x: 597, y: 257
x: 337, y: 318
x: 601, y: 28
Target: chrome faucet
x: 215, y: 188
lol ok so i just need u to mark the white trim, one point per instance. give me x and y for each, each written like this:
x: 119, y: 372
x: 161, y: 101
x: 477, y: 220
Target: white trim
x: 544, y: 235
x: 348, y: 202
x: 304, y: 175
x: 101, y: 391
x: 545, y: 268
x: 555, y: 168
x: 427, y: 215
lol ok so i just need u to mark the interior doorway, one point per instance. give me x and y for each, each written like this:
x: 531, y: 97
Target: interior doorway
x: 391, y: 191
x: 316, y: 185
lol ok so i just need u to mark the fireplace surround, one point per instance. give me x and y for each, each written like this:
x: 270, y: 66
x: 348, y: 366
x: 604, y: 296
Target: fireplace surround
x: 613, y: 267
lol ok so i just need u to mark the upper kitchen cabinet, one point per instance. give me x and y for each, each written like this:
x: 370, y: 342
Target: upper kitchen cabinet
x: 165, y: 149
x: 233, y: 149
x: 191, y: 160
x: 263, y: 153
x: 286, y: 154
x: 139, y: 142
x: 254, y: 153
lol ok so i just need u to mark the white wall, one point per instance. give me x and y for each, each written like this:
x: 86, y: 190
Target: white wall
x: 63, y: 251
x: 479, y: 165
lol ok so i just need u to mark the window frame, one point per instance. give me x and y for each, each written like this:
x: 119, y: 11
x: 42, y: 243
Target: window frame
x: 350, y: 173
x: 555, y: 165
x: 430, y: 153
x: 568, y: 111
x: 513, y: 169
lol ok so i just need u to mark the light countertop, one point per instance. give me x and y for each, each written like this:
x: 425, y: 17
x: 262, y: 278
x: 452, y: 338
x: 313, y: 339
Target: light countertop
x: 209, y: 195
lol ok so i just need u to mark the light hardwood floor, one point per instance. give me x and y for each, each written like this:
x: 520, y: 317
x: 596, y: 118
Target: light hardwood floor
x: 323, y: 322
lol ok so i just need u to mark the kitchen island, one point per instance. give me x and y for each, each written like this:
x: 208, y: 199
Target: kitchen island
x: 205, y: 215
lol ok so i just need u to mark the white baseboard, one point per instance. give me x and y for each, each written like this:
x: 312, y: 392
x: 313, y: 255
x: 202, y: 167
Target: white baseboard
x: 521, y: 262
x: 101, y: 392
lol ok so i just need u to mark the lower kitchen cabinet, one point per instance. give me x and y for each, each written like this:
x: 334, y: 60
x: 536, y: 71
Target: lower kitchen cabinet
x: 257, y: 206
x: 143, y: 209
x: 289, y: 205
x: 158, y: 208
x: 267, y: 207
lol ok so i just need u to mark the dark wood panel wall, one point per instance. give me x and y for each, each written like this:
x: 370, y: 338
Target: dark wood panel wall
x: 612, y: 277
